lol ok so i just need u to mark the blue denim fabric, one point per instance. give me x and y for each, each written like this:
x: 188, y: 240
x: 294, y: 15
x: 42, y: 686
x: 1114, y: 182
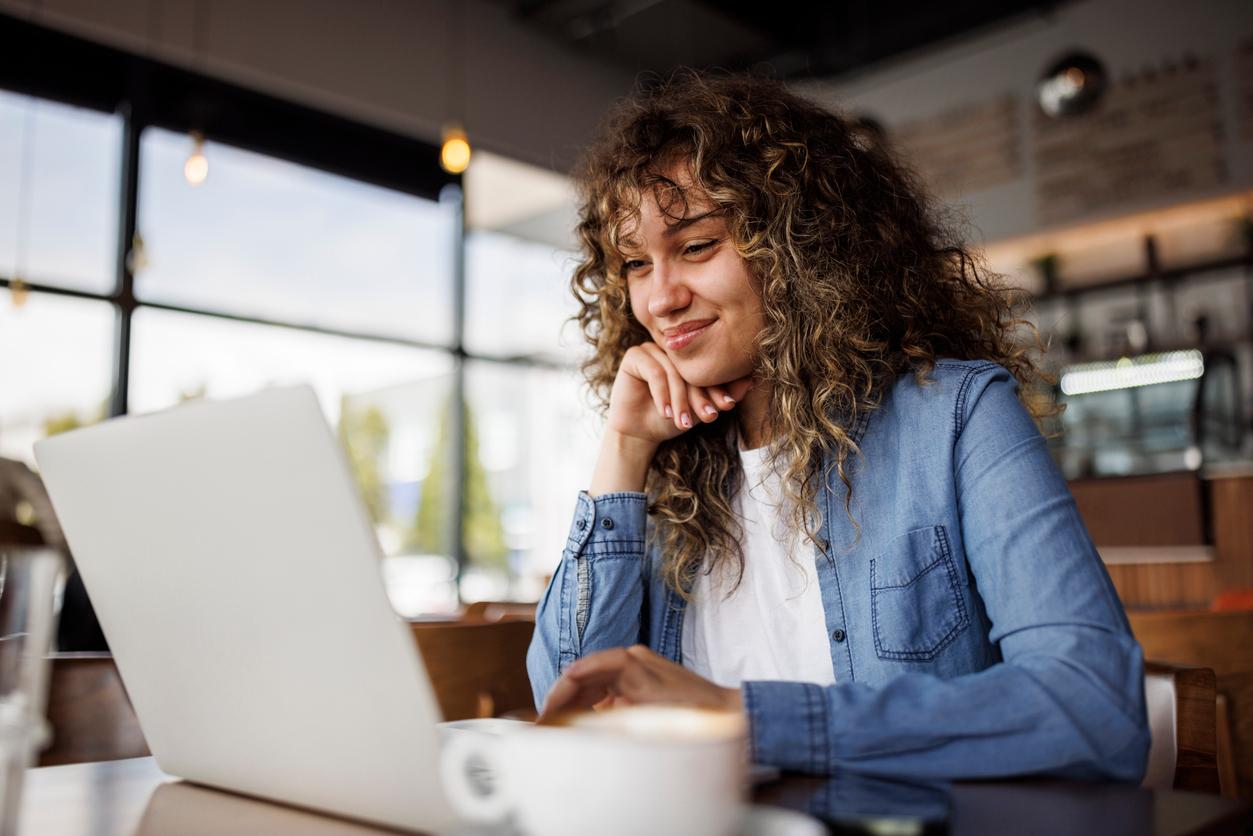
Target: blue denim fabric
x: 973, y: 629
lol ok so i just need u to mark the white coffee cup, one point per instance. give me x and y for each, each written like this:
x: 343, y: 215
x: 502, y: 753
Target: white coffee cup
x: 643, y: 769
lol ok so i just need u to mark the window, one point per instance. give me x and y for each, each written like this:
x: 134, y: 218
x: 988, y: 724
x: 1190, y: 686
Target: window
x: 272, y: 272
x: 534, y: 443
x: 385, y: 401
x: 58, y: 193
x: 55, y: 361
x: 58, y: 228
x: 269, y: 239
x: 518, y: 299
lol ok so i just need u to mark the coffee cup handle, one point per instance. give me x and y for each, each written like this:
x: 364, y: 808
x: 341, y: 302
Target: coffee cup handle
x: 478, y: 796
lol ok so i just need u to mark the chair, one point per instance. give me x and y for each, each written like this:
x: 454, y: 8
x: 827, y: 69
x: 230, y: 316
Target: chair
x: 478, y: 670
x: 1182, y: 719
x: 15, y: 534
x: 90, y: 714
x: 491, y: 611
x: 1222, y: 642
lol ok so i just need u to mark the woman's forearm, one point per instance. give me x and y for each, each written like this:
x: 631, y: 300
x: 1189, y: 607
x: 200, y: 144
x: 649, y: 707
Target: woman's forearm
x: 622, y: 464
x: 1075, y: 713
x: 596, y: 597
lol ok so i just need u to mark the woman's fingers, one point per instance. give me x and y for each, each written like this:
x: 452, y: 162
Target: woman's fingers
x: 681, y: 409
x: 601, y: 679
x: 674, y: 399
x: 631, y: 676
x: 702, y: 404
x: 643, y: 365
x: 658, y: 384
x: 721, y: 398
x: 569, y: 694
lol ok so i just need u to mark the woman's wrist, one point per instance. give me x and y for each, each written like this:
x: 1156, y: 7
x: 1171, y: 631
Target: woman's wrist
x: 622, y: 464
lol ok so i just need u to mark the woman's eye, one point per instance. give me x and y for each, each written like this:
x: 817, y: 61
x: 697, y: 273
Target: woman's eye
x: 631, y: 266
x: 701, y: 246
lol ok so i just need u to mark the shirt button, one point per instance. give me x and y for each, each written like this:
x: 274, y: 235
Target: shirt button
x: 838, y: 635
x: 581, y: 524
x: 607, y: 523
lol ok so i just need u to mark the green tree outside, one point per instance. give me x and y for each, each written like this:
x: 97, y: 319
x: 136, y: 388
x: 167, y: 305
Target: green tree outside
x: 482, y: 531
x: 364, y: 434
x: 63, y: 422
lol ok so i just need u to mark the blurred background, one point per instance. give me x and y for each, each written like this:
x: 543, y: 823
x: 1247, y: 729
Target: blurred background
x: 200, y: 198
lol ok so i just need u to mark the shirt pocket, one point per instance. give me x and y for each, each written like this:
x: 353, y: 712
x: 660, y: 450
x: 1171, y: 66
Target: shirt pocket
x: 916, y: 600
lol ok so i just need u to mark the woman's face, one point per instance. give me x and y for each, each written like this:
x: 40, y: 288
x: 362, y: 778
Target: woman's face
x: 691, y: 290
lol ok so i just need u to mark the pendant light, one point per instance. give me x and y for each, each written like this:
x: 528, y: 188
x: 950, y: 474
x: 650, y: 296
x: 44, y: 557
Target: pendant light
x: 454, y: 152
x: 196, y: 169
x: 1071, y: 85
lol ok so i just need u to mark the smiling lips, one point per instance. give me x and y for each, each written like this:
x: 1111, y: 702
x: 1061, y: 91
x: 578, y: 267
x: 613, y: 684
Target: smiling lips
x: 682, y: 335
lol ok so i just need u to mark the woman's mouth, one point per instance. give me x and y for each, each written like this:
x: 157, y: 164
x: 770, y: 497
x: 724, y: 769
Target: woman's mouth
x: 682, y: 336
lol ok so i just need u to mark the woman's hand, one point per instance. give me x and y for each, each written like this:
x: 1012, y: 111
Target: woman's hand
x: 651, y: 401
x: 630, y: 676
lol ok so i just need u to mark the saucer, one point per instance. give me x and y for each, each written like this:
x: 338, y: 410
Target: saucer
x: 762, y: 820
x: 759, y: 820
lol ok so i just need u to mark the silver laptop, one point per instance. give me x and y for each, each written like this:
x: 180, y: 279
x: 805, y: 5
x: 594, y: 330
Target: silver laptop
x: 237, y: 578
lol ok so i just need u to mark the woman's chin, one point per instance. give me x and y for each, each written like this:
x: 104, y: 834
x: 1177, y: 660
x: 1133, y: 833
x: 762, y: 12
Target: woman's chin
x: 709, y: 374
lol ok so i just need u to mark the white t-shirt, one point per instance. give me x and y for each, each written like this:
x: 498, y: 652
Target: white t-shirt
x: 772, y: 626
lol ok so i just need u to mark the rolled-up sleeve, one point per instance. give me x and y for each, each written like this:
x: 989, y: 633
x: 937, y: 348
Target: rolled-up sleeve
x: 596, y: 596
x: 1068, y: 697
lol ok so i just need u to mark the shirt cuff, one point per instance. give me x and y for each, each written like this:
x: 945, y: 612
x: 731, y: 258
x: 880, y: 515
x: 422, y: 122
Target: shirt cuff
x: 788, y: 726
x: 612, y: 523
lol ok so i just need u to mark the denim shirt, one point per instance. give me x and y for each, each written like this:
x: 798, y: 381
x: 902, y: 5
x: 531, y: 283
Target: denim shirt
x: 974, y: 631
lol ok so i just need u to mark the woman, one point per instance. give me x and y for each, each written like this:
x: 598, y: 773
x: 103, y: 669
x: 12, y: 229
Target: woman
x: 819, y: 499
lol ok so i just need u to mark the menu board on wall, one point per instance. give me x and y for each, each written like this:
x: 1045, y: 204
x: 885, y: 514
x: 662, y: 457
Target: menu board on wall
x: 1150, y: 137
x: 966, y: 148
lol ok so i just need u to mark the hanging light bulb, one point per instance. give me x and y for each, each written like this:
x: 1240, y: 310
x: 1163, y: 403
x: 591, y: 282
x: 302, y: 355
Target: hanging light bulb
x: 18, y: 292
x: 196, y: 169
x: 454, y: 154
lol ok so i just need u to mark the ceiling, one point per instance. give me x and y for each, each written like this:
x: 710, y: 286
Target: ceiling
x: 796, y: 39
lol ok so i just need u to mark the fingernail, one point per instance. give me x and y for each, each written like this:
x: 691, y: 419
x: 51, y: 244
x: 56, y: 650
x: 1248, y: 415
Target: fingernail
x: 669, y: 411
x: 728, y: 399
x: 685, y: 420
x: 710, y: 409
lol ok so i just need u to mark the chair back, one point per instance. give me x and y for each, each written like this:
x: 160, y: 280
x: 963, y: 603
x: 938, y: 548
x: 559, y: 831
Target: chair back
x: 15, y: 534
x: 1222, y: 642
x: 90, y: 714
x: 1181, y: 708
x: 478, y: 670
x: 481, y: 611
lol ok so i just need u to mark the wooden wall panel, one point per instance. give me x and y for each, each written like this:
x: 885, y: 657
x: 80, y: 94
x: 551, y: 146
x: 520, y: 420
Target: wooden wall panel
x: 1158, y: 586
x: 1159, y: 510
x: 1164, y: 513
x: 1231, y: 504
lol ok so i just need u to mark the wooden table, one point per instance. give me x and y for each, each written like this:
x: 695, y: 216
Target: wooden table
x: 134, y: 798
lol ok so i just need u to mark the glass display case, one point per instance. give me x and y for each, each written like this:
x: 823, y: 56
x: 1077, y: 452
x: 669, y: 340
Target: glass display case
x: 1154, y: 413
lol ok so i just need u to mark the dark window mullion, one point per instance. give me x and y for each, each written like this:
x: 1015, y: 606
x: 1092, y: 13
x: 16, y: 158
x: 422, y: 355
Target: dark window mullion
x: 124, y: 289
x: 454, y: 198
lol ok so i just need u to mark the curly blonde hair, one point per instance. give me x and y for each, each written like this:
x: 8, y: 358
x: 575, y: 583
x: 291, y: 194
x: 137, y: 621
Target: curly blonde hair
x: 861, y: 281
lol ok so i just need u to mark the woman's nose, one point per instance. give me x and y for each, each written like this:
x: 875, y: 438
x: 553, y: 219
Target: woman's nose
x: 669, y: 292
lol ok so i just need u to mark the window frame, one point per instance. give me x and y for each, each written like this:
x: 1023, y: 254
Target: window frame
x: 51, y: 65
